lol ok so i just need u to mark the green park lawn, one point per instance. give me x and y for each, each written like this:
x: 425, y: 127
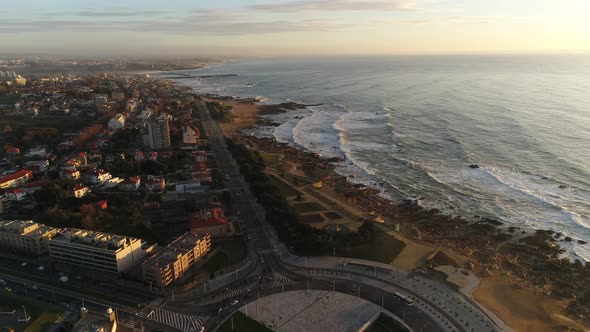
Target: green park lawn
x: 308, y: 207
x: 285, y: 189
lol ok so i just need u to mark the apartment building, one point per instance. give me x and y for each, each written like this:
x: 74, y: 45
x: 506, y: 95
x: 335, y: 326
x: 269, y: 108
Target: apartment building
x: 96, y: 250
x: 26, y: 236
x: 15, y: 179
x: 173, y: 261
x: 157, y: 135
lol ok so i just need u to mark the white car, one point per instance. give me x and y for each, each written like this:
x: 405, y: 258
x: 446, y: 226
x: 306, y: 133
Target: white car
x: 41, y: 268
x: 234, y: 302
x: 23, y: 264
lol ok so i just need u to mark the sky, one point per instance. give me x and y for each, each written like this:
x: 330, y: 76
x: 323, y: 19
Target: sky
x: 293, y: 27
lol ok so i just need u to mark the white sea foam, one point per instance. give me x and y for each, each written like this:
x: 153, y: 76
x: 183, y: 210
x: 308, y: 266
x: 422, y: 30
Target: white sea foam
x: 316, y: 133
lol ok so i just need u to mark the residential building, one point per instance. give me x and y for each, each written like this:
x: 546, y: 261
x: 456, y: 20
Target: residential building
x: 154, y: 184
x: 210, y: 221
x: 80, y: 190
x: 99, y: 176
x: 96, y: 250
x: 15, y: 179
x: 157, y: 135
x: 15, y: 194
x: 117, y: 122
x: 173, y: 261
x: 131, y: 184
x: 199, y: 156
x: 12, y: 152
x: 70, y: 174
x: 38, y: 151
x: 40, y: 165
x: 20, y: 81
x: 189, y: 187
x: 190, y: 135
x: 26, y: 236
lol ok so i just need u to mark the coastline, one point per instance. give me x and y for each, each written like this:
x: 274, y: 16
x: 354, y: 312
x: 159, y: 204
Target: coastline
x: 502, y: 257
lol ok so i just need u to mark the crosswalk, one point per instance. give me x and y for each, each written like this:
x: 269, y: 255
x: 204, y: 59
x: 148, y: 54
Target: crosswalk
x: 274, y: 280
x: 331, y: 273
x: 180, y: 321
x: 280, y: 280
x: 226, y: 295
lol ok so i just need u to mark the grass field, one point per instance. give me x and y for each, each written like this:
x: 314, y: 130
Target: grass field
x: 382, y: 248
x: 231, y: 252
x: 42, y: 315
x: 332, y: 215
x: 297, y: 181
x: 285, y: 189
x: 311, y: 219
x: 243, y: 323
x: 270, y: 158
x: 308, y: 207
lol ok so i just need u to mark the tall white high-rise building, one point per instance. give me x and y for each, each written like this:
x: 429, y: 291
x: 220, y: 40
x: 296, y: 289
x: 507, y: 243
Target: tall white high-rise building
x: 157, y: 135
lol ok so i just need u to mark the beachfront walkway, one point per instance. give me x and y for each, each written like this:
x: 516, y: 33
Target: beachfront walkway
x: 311, y: 311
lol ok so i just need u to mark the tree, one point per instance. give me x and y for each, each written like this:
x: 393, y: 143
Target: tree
x: 89, y: 223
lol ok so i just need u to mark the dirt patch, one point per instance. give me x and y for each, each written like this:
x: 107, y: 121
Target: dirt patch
x: 245, y: 115
x: 520, y: 307
x: 414, y: 254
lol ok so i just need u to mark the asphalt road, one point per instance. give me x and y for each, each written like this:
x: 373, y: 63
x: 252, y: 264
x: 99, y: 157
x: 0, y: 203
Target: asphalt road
x: 130, y: 294
x: 72, y: 302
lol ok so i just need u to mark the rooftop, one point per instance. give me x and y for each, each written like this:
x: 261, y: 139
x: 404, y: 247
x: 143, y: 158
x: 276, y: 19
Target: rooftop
x: 206, y: 218
x: 94, y: 239
x: 17, y: 175
x: 24, y: 227
x: 179, y: 246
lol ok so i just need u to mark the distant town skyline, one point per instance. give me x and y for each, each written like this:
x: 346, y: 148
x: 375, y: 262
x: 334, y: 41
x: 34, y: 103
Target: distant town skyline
x: 294, y: 27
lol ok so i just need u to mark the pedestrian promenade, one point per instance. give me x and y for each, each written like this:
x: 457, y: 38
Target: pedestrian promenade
x: 436, y: 297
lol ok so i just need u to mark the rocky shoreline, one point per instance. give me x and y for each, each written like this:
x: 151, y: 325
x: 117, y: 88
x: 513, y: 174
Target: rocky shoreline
x: 491, y: 247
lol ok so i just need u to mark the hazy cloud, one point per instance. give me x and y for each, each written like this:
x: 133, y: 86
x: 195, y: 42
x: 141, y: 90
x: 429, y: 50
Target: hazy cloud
x: 107, y: 12
x: 215, y: 22
x: 335, y: 5
x: 119, y: 13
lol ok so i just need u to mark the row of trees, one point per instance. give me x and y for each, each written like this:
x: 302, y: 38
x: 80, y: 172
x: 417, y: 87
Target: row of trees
x: 219, y: 111
x: 303, y: 239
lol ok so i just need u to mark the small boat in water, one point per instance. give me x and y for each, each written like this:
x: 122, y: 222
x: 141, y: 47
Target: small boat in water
x: 250, y: 85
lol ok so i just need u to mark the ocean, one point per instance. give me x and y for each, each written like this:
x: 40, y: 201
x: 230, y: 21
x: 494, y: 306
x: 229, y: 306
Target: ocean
x: 412, y: 126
